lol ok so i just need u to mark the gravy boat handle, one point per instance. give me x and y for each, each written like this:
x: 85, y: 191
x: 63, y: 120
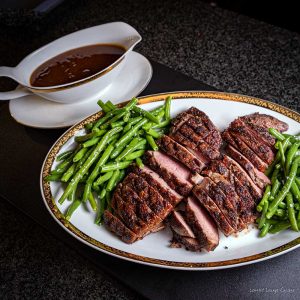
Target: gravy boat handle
x: 18, y: 92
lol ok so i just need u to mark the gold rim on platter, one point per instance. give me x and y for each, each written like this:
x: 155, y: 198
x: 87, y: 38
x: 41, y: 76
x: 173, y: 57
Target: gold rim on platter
x: 51, y: 205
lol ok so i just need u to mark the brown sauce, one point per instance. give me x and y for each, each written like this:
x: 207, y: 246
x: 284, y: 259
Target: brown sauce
x: 75, y: 64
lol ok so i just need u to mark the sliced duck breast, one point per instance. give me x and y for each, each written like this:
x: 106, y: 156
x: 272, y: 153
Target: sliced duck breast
x: 259, y: 178
x: 182, y: 154
x: 202, y: 224
x: 115, y: 225
x: 177, y: 176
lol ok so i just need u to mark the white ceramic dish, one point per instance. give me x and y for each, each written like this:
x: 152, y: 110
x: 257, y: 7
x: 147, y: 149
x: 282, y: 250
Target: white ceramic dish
x: 86, y: 89
x: 153, y: 250
x: 35, y: 111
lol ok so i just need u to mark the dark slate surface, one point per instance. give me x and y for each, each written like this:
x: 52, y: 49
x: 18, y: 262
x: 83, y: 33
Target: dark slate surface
x: 230, y: 52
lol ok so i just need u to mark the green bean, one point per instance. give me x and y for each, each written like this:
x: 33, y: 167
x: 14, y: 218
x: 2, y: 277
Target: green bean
x: 104, y: 106
x: 96, y: 132
x: 290, y: 156
x: 293, y: 138
x: 90, y: 160
x: 274, y: 190
x: 115, y: 166
x: 295, y: 191
x: 282, y: 225
x: 118, y: 115
x: 96, y: 188
x: 117, y: 123
x: 112, y: 180
x: 282, y: 156
x: 285, y: 145
x: 157, y: 110
x: 103, y: 178
x: 79, y: 155
x: 108, y: 197
x: 264, y: 198
x: 276, y: 134
x: 64, y: 155
x: 139, y: 163
x: 160, y: 115
x: 62, y: 167
x: 275, y: 173
x: 133, y: 121
x: 141, y: 145
x: 282, y: 205
x: 147, y: 126
x: 151, y: 142
x: 285, y: 189
x: 297, y: 206
x: 271, y: 221
x: 53, y: 177
x: 101, y: 208
x: 280, y: 212
x: 112, y: 139
x: 92, y: 201
x: 168, y: 108
x: 291, y: 211
x: 128, y: 149
x: 74, y: 205
x: 69, y: 173
x: 263, y: 216
x: 103, y: 159
x: 121, y: 176
x: 134, y: 155
x: 106, y: 118
x: 73, y: 194
x: 128, y: 135
x: 110, y: 105
x: 83, y: 138
x: 297, y: 180
x: 131, y: 104
x: 150, y: 125
x: 154, y: 133
x: 84, y: 158
x: 91, y: 142
x: 162, y: 124
x: 146, y: 114
x: 103, y: 193
x: 264, y: 230
x: 88, y: 127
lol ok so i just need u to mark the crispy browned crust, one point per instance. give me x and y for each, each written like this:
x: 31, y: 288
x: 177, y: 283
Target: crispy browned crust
x: 239, y: 131
x: 152, y: 198
x: 126, y: 211
x: 265, y: 121
x: 204, y: 240
x: 166, y: 193
x: 186, y: 242
x: 174, y: 149
x: 213, y: 210
x: 116, y: 226
x: 245, y: 150
x: 246, y: 203
x: 142, y: 210
x: 258, y: 177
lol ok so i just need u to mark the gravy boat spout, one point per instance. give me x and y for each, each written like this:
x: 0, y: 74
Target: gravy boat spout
x: 88, y: 88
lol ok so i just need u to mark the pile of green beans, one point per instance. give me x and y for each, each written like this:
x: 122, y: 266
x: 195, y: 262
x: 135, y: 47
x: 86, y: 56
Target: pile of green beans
x: 280, y: 205
x: 110, y: 145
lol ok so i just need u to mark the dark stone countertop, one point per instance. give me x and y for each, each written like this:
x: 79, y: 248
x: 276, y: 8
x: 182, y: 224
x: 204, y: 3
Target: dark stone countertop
x: 228, y: 51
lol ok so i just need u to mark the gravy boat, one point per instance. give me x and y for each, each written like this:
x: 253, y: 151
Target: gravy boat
x: 82, y: 90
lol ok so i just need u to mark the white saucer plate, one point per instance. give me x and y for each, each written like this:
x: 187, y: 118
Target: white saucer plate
x: 37, y: 112
x: 246, y: 248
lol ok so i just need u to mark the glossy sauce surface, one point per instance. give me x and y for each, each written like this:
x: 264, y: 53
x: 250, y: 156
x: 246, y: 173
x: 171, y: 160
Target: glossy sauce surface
x: 75, y: 64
